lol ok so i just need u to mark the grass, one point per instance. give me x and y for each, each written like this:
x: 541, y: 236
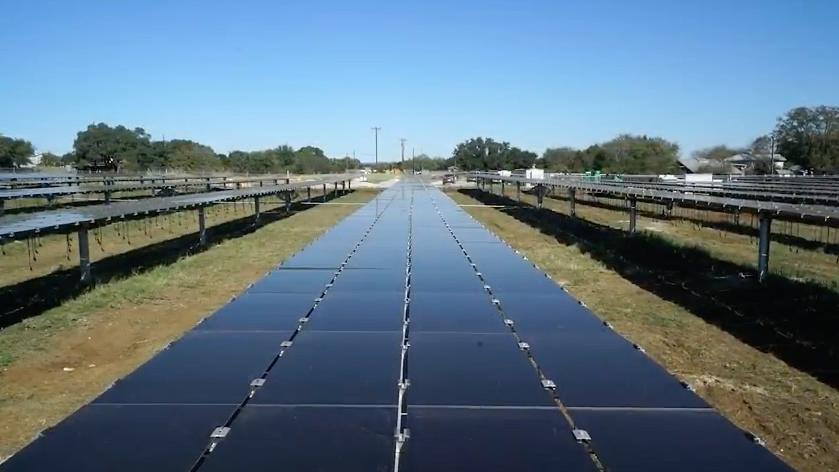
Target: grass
x: 107, y: 332
x: 796, y: 414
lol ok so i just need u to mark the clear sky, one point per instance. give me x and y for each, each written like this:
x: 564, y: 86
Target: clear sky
x: 256, y: 74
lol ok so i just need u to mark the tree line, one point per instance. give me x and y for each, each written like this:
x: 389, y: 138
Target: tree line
x: 134, y: 150
x: 807, y: 137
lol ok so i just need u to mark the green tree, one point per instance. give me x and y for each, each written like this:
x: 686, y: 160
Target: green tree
x: 629, y: 154
x: 49, y: 159
x: 15, y: 152
x: 131, y: 148
x: 716, y: 153
x: 189, y: 155
x: 566, y: 159
x: 809, y: 137
x: 488, y: 154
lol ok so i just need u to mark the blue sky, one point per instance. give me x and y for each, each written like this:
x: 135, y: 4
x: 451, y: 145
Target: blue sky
x: 256, y: 74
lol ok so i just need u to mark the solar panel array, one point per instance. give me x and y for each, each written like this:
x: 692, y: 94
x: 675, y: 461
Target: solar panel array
x: 827, y: 215
x: 20, y: 226
x: 408, y: 337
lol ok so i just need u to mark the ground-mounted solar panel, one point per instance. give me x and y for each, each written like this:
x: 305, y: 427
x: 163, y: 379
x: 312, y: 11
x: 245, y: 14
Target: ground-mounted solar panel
x: 683, y: 440
x: 289, y: 280
x: 370, y: 280
x: 602, y: 369
x: 481, y: 439
x: 315, y: 258
x: 105, y: 438
x: 391, y: 256
x: 302, y: 439
x: 201, y: 367
x: 539, y: 314
x: 472, y: 369
x: 456, y: 312
x: 336, y: 367
x: 261, y: 311
x: 347, y: 311
x: 448, y: 277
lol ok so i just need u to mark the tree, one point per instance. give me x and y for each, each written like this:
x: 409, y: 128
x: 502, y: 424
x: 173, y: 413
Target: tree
x: 809, y: 137
x: 566, y: 159
x: 629, y: 154
x: 715, y: 153
x: 487, y: 154
x: 133, y: 148
x: 15, y: 152
x: 49, y: 159
x: 189, y: 155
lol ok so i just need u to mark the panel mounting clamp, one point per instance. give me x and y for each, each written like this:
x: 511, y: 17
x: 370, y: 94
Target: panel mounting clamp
x: 548, y: 384
x: 581, y: 435
x: 286, y: 343
x: 509, y: 322
x: 524, y: 346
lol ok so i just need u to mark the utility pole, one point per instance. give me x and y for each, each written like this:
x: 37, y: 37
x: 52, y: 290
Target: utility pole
x: 413, y: 165
x: 402, y: 142
x: 376, y: 131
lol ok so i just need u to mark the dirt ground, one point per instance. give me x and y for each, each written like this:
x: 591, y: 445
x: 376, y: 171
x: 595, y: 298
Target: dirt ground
x: 794, y: 413
x: 56, y: 362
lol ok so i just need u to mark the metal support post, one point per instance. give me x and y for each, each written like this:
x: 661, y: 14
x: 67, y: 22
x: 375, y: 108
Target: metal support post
x: 208, y: 184
x: 763, y: 248
x: 202, y: 228
x: 324, y: 192
x: 349, y: 184
x: 572, y: 201
x: 633, y: 214
x: 256, y: 209
x: 287, y: 181
x: 518, y: 192
x: 344, y: 187
x: 670, y: 205
x: 502, y: 188
x: 84, y: 255
x: 287, y: 198
x: 308, y: 194
x: 540, y: 195
x: 336, y: 188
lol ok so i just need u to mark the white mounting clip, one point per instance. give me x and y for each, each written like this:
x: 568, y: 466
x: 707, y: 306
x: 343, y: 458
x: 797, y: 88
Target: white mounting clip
x: 286, y: 343
x: 548, y: 384
x: 581, y: 435
x: 217, y: 435
x: 509, y: 322
x: 524, y: 346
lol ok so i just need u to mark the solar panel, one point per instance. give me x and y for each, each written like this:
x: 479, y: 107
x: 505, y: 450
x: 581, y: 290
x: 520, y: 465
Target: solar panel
x: 307, y: 439
x: 329, y: 367
x: 261, y: 311
x: 466, y: 439
x: 601, y: 369
x: 691, y: 441
x: 472, y: 369
x: 201, y: 367
x: 105, y: 438
x: 458, y: 312
x: 376, y: 311
x: 288, y: 280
